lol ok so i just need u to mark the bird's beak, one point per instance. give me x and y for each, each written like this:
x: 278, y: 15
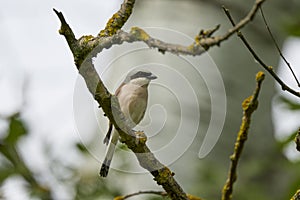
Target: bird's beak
x: 152, y: 77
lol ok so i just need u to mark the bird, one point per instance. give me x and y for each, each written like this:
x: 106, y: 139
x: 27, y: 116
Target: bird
x: 132, y: 95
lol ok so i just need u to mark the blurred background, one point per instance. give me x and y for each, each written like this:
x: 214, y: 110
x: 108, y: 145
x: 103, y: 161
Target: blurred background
x: 51, y: 130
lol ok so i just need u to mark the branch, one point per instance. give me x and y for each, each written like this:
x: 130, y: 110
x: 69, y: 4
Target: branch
x: 160, y: 193
x: 249, y: 17
x: 118, y: 19
x: 277, y: 47
x: 82, y: 47
x: 296, y: 196
x: 66, y: 30
x: 256, y: 57
x: 86, y: 47
x: 249, y: 106
x: 110, y: 105
x: 297, y: 140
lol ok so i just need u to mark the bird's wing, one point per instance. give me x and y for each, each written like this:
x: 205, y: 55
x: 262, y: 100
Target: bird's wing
x: 137, y: 108
x: 108, y: 134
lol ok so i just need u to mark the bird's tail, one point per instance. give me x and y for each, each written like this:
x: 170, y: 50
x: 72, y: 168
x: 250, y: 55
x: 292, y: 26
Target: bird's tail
x: 109, y: 154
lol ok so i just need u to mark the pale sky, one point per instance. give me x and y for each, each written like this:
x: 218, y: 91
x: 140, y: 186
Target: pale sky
x: 34, y: 53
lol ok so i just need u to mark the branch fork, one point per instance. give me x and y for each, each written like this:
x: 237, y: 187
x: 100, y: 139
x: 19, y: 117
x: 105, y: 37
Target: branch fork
x: 87, y: 47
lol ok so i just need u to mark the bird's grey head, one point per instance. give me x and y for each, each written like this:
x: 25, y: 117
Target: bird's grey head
x: 139, y: 74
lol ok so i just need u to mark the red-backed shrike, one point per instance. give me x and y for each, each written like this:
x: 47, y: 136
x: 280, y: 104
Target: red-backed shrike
x: 133, y: 97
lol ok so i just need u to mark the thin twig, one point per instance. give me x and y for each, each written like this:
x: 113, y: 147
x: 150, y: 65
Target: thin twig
x: 297, y: 140
x: 249, y: 106
x: 249, y: 17
x: 160, y: 193
x: 259, y: 60
x: 277, y: 47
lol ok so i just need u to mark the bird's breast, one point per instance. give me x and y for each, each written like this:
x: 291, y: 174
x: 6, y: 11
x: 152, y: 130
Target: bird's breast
x: 133, y: 102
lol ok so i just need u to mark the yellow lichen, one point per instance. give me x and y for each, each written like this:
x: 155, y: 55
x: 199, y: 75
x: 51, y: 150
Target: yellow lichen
x: 296, y: 196
x: 139, y: 33
x: 118, y: 19
x: 119, y: 198
x: 197, y: 39
x: 114, y: 24
x: 260, y: 76
x: 270, y: 67
x: 246, y: 102
x: 141, y: 138
x: 191, y: 197
x: 86, y: 38
x: 164, y: 173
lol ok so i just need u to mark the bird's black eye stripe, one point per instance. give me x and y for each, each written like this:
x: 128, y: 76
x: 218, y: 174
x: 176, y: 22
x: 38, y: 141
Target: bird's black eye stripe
x: 141, y: 74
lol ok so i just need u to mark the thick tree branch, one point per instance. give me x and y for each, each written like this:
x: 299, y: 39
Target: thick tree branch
x: 249, y: 106
x: 118, y: 19
x: 86, y: 47
x: 110, y: 105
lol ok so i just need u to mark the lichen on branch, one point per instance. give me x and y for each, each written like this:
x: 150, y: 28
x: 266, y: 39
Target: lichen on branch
x: 249, y: 105
x: 82, y: 50
x: 296, y: 196
x: 87, y: 47
x: 268, y: 68
x: 117, y: 21
x: 113, y: 35
x: 297, y: 140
